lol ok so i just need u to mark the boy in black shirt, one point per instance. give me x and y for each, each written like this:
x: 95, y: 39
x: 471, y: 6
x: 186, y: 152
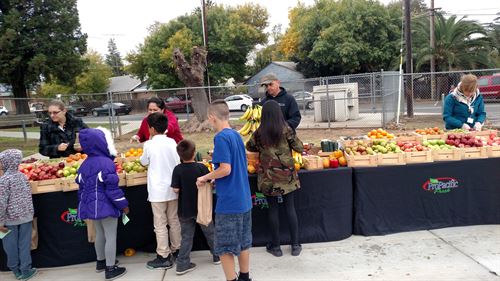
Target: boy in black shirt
x: 184, y: 182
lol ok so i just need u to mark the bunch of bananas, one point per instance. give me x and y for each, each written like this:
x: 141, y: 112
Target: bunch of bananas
x: 252, y: 116
x: 297, y: 159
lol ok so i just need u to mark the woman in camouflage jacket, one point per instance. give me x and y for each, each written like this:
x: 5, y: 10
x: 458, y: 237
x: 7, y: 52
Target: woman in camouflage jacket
x: 276, y: 175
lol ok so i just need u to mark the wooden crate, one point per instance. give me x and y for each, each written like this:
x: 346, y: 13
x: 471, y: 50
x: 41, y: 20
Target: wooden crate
x: 123, y: 179
x: 136, y: 178
x: 324, y: 154
x: 474, y: 152
x: 493, y: 151
x: 433, y: 137
x: 69, y: 184
x: 345, y: 141
x: 412, y: 136
x: 46, y: 186
x: 391, y: 159
x: 312, y: 162
x: 447, y: 155
x: 418, y: 157
x: 361, y: 160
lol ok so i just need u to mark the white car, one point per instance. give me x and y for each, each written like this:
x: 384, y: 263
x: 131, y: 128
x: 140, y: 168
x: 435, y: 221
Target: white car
x: 239, y: 102
x: 3, y: 111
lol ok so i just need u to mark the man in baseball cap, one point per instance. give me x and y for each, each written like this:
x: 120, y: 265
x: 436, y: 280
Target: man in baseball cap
x: 287, y: 102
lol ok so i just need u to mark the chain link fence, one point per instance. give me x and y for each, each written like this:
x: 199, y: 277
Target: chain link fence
x: 346, y: 101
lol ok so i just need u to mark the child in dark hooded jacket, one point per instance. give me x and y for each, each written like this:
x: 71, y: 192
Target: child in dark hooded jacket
x: 100, y: 198
x: 16, y: 215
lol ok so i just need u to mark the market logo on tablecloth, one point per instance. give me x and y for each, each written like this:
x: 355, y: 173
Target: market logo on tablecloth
x: 259, y: 200
x: 440, y: 185
x: 71, y: 217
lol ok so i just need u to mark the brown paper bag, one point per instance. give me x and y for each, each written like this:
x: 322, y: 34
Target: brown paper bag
x: 90, y: 230
x: 34, y: 234
x: 205, y: 204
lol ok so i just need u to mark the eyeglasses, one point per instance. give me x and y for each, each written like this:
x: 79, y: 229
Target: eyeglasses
x: 54, y: 113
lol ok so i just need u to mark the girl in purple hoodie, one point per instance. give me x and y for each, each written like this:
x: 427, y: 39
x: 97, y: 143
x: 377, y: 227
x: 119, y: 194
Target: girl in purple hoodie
x: 100, y: 198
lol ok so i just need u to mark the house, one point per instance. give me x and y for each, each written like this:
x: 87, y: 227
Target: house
x: 286, y: 71
x: 125, y: 83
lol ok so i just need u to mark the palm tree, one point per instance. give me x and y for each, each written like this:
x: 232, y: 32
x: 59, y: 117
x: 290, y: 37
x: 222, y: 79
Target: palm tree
x: 460, y: 44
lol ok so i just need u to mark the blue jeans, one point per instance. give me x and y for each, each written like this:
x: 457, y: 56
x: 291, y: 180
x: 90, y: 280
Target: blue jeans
x: 233, y: 233
x: 17, y: 246
x: 188, y: 228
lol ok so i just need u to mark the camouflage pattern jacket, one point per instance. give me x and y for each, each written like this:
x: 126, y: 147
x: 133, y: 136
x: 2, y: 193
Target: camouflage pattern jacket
x: 276, y: 174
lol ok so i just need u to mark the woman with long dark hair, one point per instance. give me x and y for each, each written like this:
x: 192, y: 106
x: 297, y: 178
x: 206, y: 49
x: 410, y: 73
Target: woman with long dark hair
x: 156, y: 104
x: 276, y: 175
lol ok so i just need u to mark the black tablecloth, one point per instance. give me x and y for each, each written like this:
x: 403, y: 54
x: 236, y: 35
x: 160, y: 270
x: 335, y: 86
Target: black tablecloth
x: 324, y: 207
x: 426, y: 196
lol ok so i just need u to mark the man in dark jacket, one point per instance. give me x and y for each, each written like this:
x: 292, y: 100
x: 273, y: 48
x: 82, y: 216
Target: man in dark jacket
x: 287, y: 103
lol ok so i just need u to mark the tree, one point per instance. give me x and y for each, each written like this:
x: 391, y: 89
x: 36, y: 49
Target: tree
x: 233, y: 33
x: 113, y: 59
x: 341, y: 37
x: 269, y: 53
x: 39, y: 39
x: 460, y: 44
x: 94, y: 78
x: 494, y: 36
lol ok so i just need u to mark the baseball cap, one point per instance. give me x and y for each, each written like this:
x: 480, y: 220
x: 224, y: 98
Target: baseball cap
x: 268, y: 78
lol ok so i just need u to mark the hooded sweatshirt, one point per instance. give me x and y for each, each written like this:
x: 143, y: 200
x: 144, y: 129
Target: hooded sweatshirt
x: 99, y: 195
x: 458, y: 109
x: 16, y: 204
x: 288, y: 106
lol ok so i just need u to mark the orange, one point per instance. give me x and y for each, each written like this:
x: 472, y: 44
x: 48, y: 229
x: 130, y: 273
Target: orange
x: 296, y: 166
x: 342, y: 161
x: 251, y: 169
x: 139, y: 150
x: 128, y: 154
x: 326, y: 163
x: 129, y: 252
x: 69, y: 159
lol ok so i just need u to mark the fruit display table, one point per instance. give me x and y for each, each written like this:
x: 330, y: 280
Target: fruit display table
x: 324, y: 208
x: 413, y: 197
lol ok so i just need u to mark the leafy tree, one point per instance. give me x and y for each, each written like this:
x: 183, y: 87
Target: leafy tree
x: 233, y: 33
x: 460, y: 44
x: 269, y: 53
x: 494, y: 36
x: 94, y: 78
x: 39, y: 39
x: 113, y: 59
x: 341, y: 37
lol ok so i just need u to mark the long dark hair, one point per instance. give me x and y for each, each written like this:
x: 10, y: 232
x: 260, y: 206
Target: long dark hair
x: 159, y: 102
x: 272, y: 124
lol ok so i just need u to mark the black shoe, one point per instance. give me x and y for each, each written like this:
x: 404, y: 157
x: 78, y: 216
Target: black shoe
x: 296, y: 249
x: 215, y: 259
x: 189, y: 268
x: 274, y: 250
x: 114, y: 272
x: 101, y: 265
x: 175, y: 255
x: 161, y: 263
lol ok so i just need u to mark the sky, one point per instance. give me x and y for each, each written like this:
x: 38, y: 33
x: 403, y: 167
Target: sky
x: 127, y: 21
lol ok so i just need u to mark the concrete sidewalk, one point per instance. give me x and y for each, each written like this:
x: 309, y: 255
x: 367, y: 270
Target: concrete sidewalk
x: 458, y: 253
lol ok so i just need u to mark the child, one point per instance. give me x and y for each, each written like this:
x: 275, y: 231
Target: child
x: 16, y: 215
x: 184, y: 183
x: 233, y: 212
x: 161, y: 156
x: 274, y: 140
x: 100, y: 198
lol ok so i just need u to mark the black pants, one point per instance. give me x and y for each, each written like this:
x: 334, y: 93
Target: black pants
x: 274, y: 220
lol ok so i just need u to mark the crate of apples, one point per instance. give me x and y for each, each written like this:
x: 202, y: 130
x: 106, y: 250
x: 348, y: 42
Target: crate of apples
x: 411, y: 146
x: 44, y: 171
x: 465, y: 141
x: 429, y: 131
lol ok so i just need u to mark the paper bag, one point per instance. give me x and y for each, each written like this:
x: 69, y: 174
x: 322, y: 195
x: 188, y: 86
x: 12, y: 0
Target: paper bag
x: 34, y: 234
x: 205, y: 203
x: 90, y: 230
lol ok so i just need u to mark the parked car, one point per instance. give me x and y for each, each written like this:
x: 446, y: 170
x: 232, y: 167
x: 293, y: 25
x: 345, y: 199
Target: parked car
x: 77, y: 110
x: 489, y: 86
x: 177, y: 104
x: 239, y: 102
x: 118, y: 107
x: 304, y: 99
x: 3, y: 110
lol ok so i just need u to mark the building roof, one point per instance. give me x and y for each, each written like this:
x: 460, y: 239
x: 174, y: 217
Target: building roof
x: 288, y: 64
x: 123, y: 83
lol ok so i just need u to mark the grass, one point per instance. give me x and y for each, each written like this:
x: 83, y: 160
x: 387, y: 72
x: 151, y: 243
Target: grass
x: 36, y: 129
x: 28, y: 148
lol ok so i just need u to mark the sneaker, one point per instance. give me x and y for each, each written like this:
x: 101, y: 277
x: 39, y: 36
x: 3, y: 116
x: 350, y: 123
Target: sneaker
x: 175, y: 255
x: 161, y: 263
x: 296, y: 249
x: 18, y: 275
x: 274, y: 250
x: 114, y: 272
x: 215, y: 259
x: 181, y: 271
x: 29, y: 274
x: 101, y: 265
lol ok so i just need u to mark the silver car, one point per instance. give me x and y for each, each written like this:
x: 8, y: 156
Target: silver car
x: 304, y: 99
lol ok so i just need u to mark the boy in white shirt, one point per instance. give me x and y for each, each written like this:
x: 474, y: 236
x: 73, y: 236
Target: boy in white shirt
x: 160, y: 154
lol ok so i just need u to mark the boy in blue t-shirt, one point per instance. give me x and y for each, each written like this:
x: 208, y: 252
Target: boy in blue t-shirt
x: 233, y: 211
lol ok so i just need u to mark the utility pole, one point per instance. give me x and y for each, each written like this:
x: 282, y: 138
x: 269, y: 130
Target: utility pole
x: 433, y: 48
x: 409, y: 61
x: 205, y: 42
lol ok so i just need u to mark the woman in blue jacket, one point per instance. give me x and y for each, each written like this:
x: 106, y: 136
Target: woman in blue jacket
x: 464, y: 106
